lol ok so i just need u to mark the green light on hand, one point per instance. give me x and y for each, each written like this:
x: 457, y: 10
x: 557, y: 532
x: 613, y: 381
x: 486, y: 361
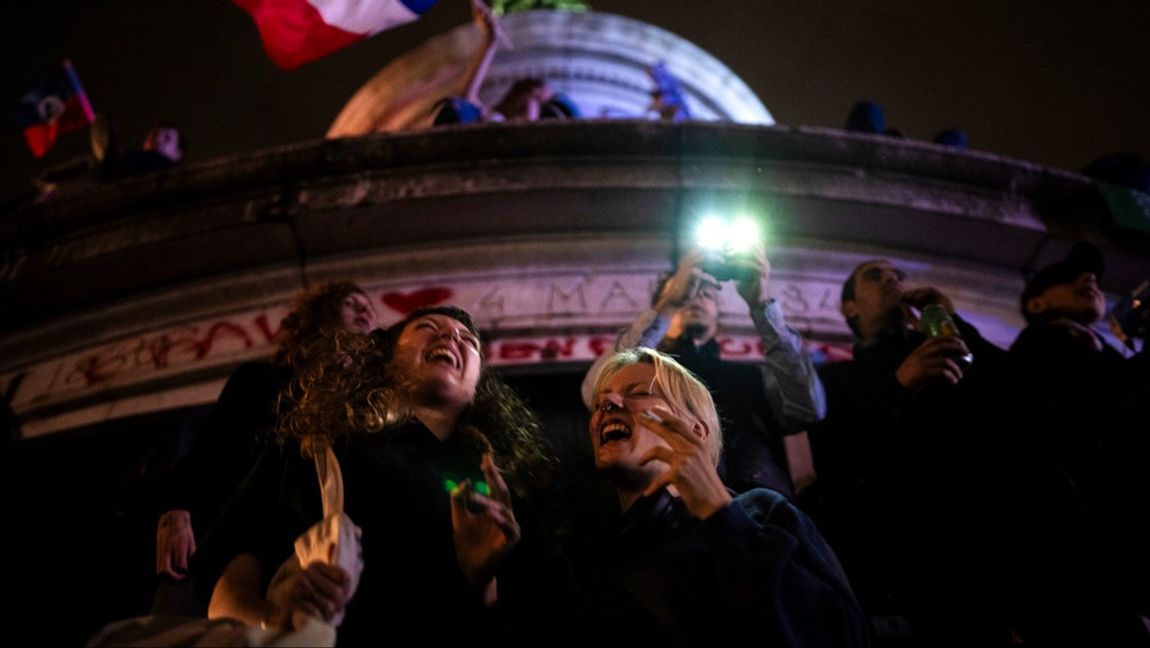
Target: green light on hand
x: 480, y: 487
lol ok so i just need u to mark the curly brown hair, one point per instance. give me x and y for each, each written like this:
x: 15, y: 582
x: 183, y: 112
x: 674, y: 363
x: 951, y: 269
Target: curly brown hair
x: 315, y: 315
x: 352, y: 389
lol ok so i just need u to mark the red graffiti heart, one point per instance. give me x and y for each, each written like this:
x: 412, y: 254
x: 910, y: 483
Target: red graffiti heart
x: 406, y: 303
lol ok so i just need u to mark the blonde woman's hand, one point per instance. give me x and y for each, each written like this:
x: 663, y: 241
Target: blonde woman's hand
x: 690, y: 469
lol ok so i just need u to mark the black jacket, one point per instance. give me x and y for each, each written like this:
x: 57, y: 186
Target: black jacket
x: 755, y: 573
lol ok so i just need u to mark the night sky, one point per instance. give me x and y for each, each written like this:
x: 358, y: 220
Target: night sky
x: 1057, y: 83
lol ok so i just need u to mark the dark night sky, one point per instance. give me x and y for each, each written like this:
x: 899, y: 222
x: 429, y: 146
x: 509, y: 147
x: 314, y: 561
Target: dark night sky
x: 1057, y: 83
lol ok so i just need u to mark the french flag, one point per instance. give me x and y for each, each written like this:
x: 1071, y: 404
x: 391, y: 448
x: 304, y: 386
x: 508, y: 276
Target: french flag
x: 300, y: 31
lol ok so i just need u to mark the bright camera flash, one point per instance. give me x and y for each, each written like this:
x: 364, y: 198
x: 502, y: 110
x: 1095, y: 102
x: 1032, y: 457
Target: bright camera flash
x: 711, y: 233
x: 742, y: 234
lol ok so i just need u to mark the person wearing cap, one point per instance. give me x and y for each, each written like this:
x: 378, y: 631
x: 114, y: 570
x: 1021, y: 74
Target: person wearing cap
x: 1066, y: 294
x: 759, y: 405
x: 1085, y: 406
x: 1074, y: 373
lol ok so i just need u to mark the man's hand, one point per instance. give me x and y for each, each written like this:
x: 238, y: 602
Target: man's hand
x: 935, y: 360
x: 682, y: 285
x: 753, y: 290
x: 175, y: 543
x: 923, y: 297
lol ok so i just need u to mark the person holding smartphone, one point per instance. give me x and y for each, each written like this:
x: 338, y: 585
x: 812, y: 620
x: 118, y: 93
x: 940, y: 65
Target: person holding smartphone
x: 760, y: 404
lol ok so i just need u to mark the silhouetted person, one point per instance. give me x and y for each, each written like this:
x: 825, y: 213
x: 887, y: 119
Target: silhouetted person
x: 163, y: 148
x: 1086, y: 409
x: 906, y: 463
x: 237, y: 430
x: 528, y: 99
x: 668, y: 100
x: 952, y: 137
x: 1127, y: 169
x: 866, y: 117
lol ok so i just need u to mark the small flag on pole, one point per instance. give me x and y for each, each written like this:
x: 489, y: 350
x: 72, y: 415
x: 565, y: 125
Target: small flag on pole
x: 300, y: 31
x: 668, y: 98
x: 55, y: 107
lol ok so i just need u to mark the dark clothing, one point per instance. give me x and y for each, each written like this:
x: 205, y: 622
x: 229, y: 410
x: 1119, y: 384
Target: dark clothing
x: 412, y: 591
x: 874, y: 425
x: 1086, y: 406
x: 756, y: 573
x: 225, y: 447
x: 140, y: 162
x: 1083, y: 397
x: 908, y: 484
x: 753, y: 452
x: 229, y: 442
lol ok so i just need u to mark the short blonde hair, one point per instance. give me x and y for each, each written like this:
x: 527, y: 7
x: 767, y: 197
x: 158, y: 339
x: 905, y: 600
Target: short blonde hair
x: 684, y: 392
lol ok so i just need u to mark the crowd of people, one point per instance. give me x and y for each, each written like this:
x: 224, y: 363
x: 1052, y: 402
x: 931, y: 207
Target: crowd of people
x: 384, y: 485
x: 965, y: 494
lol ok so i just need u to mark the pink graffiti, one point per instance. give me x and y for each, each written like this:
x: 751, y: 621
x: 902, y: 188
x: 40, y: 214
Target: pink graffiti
x: 740, y: 348
x: 601, y: 344
x: 168, y: 349
x: 552, y: 349
x: 265, y: 329
x: 162, y: 347
x: 406, y: 303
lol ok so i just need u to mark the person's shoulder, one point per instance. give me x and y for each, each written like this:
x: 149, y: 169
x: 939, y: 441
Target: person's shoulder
x: 770, y: 509
x: 253, y: 383
x: 762, y: 500
x: 261, y: 371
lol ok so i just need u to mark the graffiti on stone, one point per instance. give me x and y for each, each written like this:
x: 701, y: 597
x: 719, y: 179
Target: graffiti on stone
x: 145, y: 357
x: 571, y: 300
x: 528, y: 319
x: 406, y: 303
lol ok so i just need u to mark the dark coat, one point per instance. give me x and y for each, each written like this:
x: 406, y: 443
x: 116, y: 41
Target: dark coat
x: 755, y: 573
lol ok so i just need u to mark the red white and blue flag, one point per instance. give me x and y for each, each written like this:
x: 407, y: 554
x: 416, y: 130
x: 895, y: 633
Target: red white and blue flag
x: 55, y: 107
x: 300, y: 31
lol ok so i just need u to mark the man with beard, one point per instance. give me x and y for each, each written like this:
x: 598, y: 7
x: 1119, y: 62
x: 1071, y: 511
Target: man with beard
x: 908, y: 451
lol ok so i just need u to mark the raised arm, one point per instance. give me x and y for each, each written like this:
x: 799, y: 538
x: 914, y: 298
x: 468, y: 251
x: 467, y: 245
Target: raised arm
x: 652, y: 324
x: 793, y: 389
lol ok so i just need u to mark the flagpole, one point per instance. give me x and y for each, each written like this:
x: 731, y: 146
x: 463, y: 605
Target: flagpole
x: 74, y: 79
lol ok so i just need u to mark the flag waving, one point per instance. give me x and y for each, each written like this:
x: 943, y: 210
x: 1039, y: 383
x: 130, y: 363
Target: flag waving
x: 55, y: 107
x: 300, y: 31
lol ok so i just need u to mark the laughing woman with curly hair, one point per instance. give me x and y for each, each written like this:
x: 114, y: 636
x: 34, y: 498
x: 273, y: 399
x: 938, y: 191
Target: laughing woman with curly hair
x: 424, y: 435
